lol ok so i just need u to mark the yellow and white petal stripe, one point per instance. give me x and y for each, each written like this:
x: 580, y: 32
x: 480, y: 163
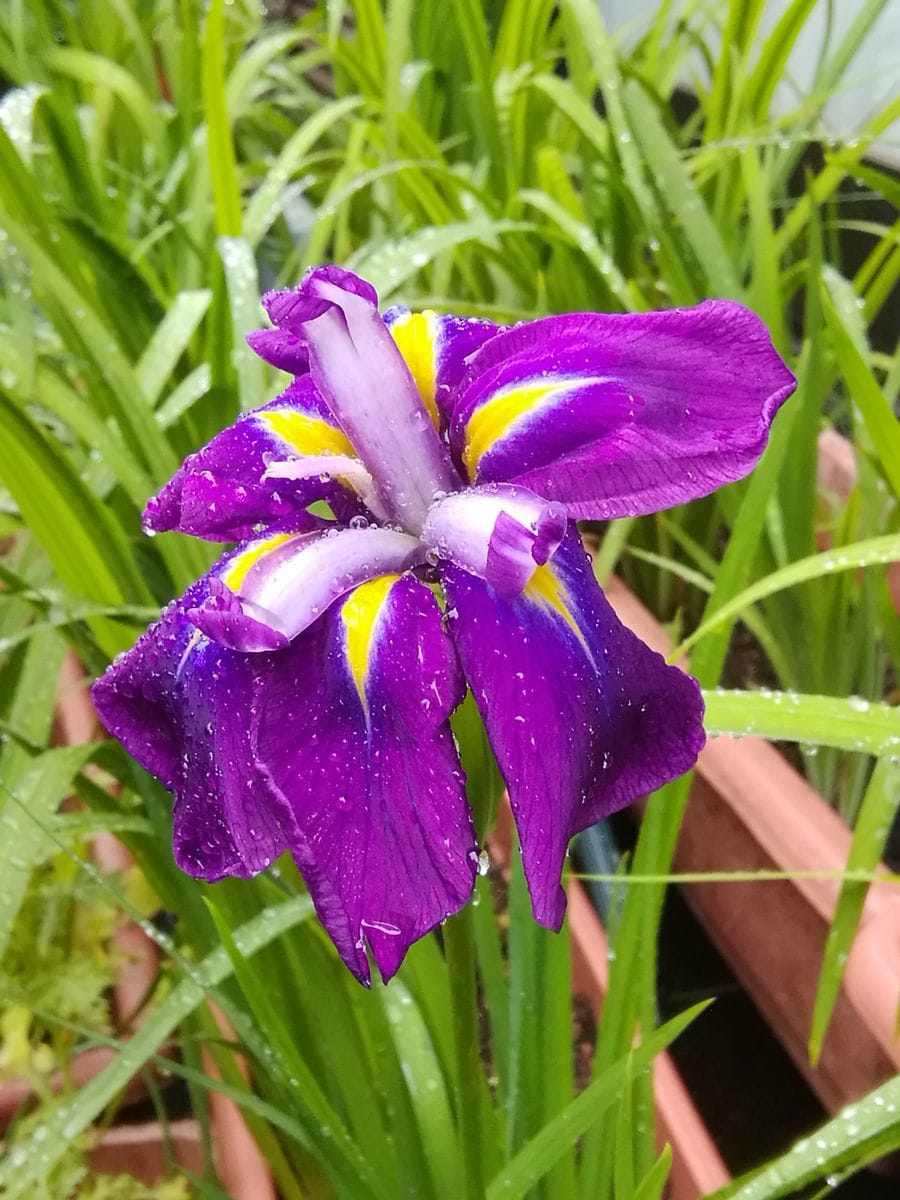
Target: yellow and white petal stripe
x: 239, y: 567
x: 287, y: 581
x: 361, y: 613
x: 304, y: 433
x: 506, y: 412
x: 417, y: 336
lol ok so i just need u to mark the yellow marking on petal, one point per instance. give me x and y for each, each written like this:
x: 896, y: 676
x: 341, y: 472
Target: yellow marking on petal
x: 305, y: 434
x: 547, y: 589
x: 416, y: 336
x: 360, y: 613
x: 239, y: 567
x: 494, y: 419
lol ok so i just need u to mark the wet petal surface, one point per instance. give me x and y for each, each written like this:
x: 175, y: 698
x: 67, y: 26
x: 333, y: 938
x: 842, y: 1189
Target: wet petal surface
x: 582, y: 716
x: 337, y: 748
x: 622, y: 414
x: 180, y: 704
x: 359, y: 370
x: 271, y: 589
x: 222, y: 493
x: 437, y: 347
x: 353, y: 733
x: 500, y: 532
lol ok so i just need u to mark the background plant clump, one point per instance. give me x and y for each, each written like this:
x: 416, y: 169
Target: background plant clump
x: 164, y: 161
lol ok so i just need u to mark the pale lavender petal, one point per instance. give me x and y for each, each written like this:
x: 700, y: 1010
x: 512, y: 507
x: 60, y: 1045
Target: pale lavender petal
x: 500, y: 532
x: 281, y: 583
x: 582, y: 716
x: 348, y: 471
x: 368, y: 387
x: 622, y: 414
x: 354, y: 736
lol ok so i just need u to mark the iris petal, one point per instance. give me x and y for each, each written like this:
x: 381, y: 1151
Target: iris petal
x: 354, y: 737
x: 348, y: 471
x: 368, y: 387
x: 623, y: 414
x: 437, y: 347
x: 582, y: 716
x: 271, y: 589
x: 502, y: 533
x: 337, y: 748
x: 180, y: 704
x: 222, y: 492
x: 280, y: 349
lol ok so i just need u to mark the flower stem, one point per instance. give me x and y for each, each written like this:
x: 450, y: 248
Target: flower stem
x: 459, y: 947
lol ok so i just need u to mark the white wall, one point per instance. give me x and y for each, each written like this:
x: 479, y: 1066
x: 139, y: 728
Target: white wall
x: 871, y: 82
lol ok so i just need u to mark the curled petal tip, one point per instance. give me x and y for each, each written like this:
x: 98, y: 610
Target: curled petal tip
x: 280, y: 348
x: 549, y: 532
x: 225, y: 618
x: 291, y: 308
x: 498, y: 532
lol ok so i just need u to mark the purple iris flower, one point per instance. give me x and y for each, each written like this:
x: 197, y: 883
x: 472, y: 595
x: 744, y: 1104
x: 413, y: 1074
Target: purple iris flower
x: 298, y: 696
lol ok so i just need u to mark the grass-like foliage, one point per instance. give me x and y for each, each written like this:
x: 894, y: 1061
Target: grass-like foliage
x: 162, y: 161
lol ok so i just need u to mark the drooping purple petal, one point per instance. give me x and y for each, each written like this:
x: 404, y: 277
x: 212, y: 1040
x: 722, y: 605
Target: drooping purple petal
x: 271, y: 589
x: 132, y: 697
x: 337, y: 748
x: 437, y: 347
x: 368, y: 387
x: 582, y: 716
x: 354, y: 736
x: 622, y: 414
x: 223, y: 492
x: 180, y: 704
x: 499, y: 531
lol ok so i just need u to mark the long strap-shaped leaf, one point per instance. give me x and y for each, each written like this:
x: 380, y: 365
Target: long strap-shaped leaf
x: 545, y: 1149
x: 876, y: 817
x: 871, y: 552
x: 862, y: 1132
x: 847, y: 724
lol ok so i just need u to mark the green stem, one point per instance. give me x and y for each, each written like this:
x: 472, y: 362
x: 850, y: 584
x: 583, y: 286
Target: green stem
x: 459, y: 947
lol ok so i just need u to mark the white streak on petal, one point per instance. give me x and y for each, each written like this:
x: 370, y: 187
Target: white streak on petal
x: 342, y: 467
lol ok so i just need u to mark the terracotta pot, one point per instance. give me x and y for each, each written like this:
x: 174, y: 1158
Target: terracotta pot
x: 836, y: 474
x: 697, y: 1166
x: 140, y: 1151
x: 750, y: 810
x: 240, y: 1165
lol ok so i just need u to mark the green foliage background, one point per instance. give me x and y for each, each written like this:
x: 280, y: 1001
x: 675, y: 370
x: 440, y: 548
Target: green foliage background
x: 163, y: 162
